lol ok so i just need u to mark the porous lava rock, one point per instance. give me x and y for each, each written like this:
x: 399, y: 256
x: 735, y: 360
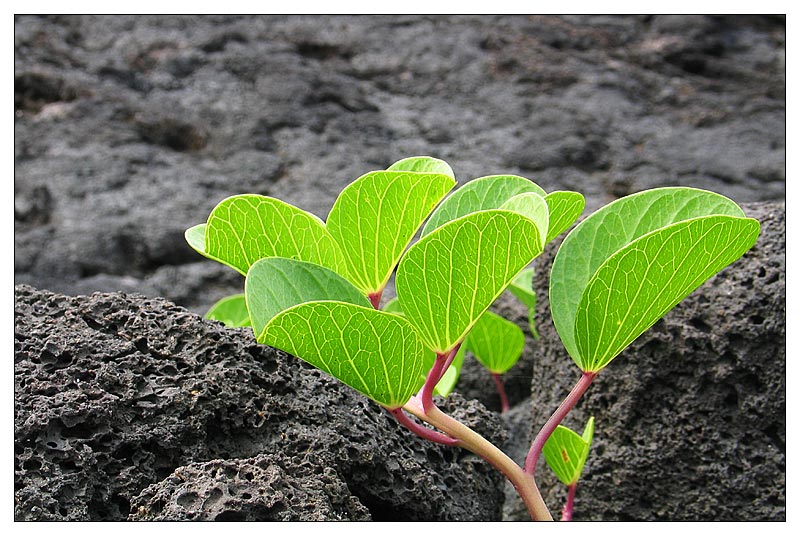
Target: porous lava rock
x: 124, y: 400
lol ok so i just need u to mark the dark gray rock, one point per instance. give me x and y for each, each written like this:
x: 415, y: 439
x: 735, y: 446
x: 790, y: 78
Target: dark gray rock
x: 691, y: 419
x: 116, y: 393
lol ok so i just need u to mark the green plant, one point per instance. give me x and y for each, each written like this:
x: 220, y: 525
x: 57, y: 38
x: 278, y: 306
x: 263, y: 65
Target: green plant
x: 566, y: 452
x: 314, y: 288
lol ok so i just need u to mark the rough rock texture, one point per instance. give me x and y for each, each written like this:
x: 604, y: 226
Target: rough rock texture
x: 129, y: 129
x: 691, y: 419
x: 115, y: 393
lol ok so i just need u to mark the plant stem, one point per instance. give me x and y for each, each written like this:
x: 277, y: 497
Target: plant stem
x: 566, y: 513
x: 474, y: 442
x: 555, y: 419
x: 426, y: 393
x: 498, y: 381
x: 424, y: 433
x: 375, y: 298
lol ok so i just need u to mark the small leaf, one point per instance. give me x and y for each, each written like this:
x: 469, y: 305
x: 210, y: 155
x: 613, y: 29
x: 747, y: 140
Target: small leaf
x: 231, y: 311
x: 612, y: 228
x: 275, y: 284
x: 376, y: 353
x: 564, y: 208
x: 566, y: 452
x: 450, y: 376
x: 496, y: 342
x: 522, y: 288
x: 375, y: 218
x: 532, y: 206
x: 196, y: 238
x: 423, y: 164
x: 245, y: 228
x: 450, y: 277
x: 483, y: 193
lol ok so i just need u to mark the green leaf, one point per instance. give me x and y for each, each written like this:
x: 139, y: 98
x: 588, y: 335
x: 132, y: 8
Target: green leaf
x: 423, y: 164
x: 450, y: 277
x: 534, y: 207
x: 393, y: 306
x: 616, y: 226
x: 483, y: 193
x: 376, y: 353
x: 196, y: 238
x: 275, y: 284
x: 564, y: 208
x: 231, y: 311
x: 450, y: 376
x: 566, y: 452
x: 245, y: 228
x: 375, y: 217
x: 496, y: 342
x: 640, y: 283
x: 522, y: 288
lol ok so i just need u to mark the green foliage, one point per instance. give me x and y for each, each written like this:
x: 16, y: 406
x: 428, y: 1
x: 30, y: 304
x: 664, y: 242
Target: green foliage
x: 566, y: 452
x: 496, y: 342
x: 377, y: 353
x: 522, y: 288
x: 275, y: 284
x: 629, y: 263
x: 452, y: 275
x: 564, y: 209
x: 375, y: 217
x: 231, y: 311
x: 423, y: 164
x: 245, y: 228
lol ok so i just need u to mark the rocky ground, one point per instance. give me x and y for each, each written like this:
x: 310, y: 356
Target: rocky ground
x: 128, y: 130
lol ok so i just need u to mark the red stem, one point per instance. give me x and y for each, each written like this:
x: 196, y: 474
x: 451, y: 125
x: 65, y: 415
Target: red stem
x: 498, y: 381
x: 421, y: 431
x: 375, y: 298
x: 566, y: 513
x: 434, y: 375
x: 449, y: 361
x: 555, y: 419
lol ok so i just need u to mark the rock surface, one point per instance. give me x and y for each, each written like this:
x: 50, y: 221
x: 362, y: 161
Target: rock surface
x: 131, y: 405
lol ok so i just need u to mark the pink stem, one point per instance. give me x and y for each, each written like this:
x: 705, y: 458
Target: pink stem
x: 434, y: 375
x: 498, y: 381
x: 555, y: 419
x: 566, y: 513
x: 375, y: 298
x: 449, y: 361
x: 421, y: 431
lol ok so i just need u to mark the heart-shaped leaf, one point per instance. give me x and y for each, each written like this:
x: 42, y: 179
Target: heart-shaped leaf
x: 423, y: 164
x: 376, y: 353
x: 532, y: 206
x: 483, y: 193
x: 566, y: 452
x: 231, y: 311
x: 564, y: 209
x: 616, y: 228
x: 375, y: 217
x: 496, y: 342
x: 451, y: 276
x: 245, y: 228
x: 275, y: 284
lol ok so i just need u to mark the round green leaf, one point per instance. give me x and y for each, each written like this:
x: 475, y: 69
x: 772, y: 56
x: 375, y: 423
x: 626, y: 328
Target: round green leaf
x: 483, y: 193
x: 379, y: 354
x: 496, y: 342
x: 639, y: 284
x: 423, y: 164
x: 609, y: 230
x: 275, y: 284
x: 245, y: 228
x: 451, y: 276
x: 375, y: 217
x: 231, y: 311
x: 564, y: 209
x: 532, y: 206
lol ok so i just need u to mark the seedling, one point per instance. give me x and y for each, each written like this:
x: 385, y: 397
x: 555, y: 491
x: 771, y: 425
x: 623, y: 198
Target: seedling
x: 314, y: 288
x: 566, y: 452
